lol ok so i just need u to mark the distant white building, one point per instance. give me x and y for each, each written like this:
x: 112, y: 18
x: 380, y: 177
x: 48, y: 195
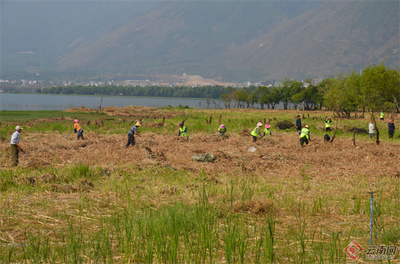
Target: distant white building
x: 316, y: 82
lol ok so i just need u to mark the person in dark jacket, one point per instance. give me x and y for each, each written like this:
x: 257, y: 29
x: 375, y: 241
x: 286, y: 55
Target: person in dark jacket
x: 391, y: 128
x: 132, y: 133
x: 298, y: 123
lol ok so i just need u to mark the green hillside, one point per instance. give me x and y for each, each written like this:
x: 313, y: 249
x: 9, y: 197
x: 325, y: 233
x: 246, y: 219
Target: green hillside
x: 225, y: 40
x: 332, y: 38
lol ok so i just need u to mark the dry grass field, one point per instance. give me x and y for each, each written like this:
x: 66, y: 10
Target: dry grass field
x: 95, y: 201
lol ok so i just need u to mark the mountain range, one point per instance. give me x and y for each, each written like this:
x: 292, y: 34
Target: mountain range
x: 223, y: 40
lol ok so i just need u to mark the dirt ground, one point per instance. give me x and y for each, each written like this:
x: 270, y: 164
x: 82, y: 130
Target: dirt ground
x: 279, y: 155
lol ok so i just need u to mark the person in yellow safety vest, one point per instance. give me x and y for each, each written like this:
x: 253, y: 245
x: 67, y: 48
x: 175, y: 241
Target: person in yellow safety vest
x: 267, y: 130
x: 304, y: 135
x: 222, y: 130
x: 256, y: 131
x: 328, y: 121
x: 381, y: 117
x: 183, y: 131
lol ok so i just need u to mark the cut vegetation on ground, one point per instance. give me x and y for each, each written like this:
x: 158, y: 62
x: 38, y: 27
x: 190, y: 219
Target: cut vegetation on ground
x: 96, y: 201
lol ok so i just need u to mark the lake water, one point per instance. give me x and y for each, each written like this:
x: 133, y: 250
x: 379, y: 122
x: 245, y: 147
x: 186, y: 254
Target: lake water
x: 62, y: 102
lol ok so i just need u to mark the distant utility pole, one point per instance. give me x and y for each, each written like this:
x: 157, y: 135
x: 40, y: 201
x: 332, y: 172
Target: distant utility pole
x: 371, y: 220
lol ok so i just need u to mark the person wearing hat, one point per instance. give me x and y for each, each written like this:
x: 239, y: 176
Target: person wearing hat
x: 78, y: 128
x: 305, y: 135
x: 267, y: 130
x: 132, y: 133
x: 256, y: 131
x: 183, y: 131
x: 15, y: 147
x: 222, y: 130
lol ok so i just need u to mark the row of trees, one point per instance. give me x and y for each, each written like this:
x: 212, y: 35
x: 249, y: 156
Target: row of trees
x: 291, y: 93
x: 158, y: 91
x: 374, y: 89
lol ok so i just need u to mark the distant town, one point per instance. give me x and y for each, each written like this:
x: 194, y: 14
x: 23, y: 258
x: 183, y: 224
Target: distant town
x: 25, y: 85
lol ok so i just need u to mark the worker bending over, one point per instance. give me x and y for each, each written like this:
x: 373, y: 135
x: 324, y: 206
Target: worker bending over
x: 132, y: 133
x: 222, y: 130
x: 183, y: 131
x: 78, y: 128
x: 267, y: 130
x: 305, y: 135
x: 256, y: 132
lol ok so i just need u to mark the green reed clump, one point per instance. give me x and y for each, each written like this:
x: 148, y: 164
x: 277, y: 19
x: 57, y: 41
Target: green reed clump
x: 8, y: 180
x: 269, y: 239
x: 168, y: 235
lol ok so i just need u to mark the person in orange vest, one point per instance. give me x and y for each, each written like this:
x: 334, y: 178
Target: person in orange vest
x: 78, y: 129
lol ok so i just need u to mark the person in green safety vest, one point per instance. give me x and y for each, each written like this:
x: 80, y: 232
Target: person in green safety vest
x: 183, y: 131
x: 267, y: 130
x: 256, y: 131
x: 381, y: 117
x: 328, y: 121
x: 304, y: 135
x: 222, y: 130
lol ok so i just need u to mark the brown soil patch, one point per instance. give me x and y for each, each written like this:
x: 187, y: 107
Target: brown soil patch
x: 261, y: 207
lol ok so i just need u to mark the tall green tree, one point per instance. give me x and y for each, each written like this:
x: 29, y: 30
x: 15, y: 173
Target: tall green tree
x: 274, y: 97
x: 380, y: 87
x: 338, y: 96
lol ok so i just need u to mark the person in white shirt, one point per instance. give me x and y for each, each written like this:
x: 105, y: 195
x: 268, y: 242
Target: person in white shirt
x: 15, y: 147
x: 371, y: 129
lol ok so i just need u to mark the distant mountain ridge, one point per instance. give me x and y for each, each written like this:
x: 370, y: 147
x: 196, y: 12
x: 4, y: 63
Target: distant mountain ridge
x: 223, y: 40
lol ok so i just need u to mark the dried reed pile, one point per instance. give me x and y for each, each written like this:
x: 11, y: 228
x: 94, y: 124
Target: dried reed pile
x: 279, y: 155
x: 129, y: 111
